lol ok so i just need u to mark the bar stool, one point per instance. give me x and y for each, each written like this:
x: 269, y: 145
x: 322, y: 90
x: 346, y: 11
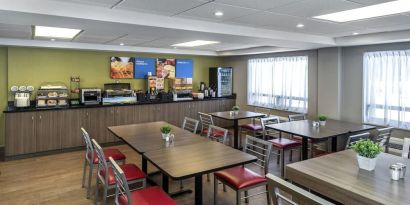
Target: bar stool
x: 124, y: 196
x: 91, y: 158
x: 105, y: 175
x: 242, y: 179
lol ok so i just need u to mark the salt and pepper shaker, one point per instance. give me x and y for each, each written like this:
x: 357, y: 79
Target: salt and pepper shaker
x: 397, y: 171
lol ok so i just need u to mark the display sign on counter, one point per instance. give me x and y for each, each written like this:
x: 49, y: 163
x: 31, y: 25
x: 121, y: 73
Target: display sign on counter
x: 143, y: 66
x: 184, y: 68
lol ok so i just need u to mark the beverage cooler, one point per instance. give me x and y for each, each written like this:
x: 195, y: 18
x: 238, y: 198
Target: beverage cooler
x: 220, y: 79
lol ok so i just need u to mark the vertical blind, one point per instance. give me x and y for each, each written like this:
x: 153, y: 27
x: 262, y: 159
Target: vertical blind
x: 387, y: 88
x: 279, y: 83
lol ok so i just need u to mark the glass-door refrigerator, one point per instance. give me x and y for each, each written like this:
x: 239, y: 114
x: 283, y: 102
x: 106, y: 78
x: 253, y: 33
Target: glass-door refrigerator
x: 220, y: 79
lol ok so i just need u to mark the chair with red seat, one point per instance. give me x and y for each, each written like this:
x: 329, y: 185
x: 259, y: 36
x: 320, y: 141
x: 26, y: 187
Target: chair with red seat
x: 218, y: 134
x: 190, y: 124
x: 105, y: 175
x: 269, y: 133
x: 91, y: 158
x: 255, y: 126
x: 311, y: 142
x: 147, y: 196
x: 282, y: 145
x: 242, y: 179
x: 205, y: 120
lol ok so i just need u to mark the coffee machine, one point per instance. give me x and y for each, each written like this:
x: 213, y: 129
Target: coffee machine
x: 22, y: 95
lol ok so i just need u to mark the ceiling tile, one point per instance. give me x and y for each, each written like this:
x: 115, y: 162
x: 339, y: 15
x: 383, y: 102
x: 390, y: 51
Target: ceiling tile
x: 381, y: 21
x: 97, y: 37
x: 206, y: 12
x: 257, y: 4
x: 310, y: 8
x: 161, y: 7
x: 15, y: 31
x: 103, y: 3
x: 129, y: 41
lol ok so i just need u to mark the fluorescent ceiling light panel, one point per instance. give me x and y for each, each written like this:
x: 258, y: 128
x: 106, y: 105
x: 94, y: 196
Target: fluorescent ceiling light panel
x: 377, y: 10
x: 195, y: 43
x: 55, y: 32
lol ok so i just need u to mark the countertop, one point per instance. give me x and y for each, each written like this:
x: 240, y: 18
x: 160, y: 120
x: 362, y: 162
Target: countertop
x: 33, y: 108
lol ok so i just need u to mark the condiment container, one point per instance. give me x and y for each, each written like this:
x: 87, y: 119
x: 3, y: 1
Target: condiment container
x: 395, y: 172
x: 403, y: 170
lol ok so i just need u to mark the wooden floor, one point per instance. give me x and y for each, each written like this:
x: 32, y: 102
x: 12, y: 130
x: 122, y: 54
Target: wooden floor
x: 56, y: 179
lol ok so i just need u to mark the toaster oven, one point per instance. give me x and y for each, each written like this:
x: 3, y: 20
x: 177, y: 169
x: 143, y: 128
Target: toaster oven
x: 90, y: 96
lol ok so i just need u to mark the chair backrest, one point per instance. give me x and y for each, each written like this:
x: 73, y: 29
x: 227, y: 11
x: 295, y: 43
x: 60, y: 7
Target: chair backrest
x: 218, y: 134
x: 89, y: 152
x: 293, y: 195
x: 206, y: 120
x: 259, y: 148
x: 354, y: 138
x: 268, y: 121
x: 121, y: 185
x: 406, y: 148
x: 190, y: 124
x: 102, y: 163
x: 383, y: 137
x: 297, y: 117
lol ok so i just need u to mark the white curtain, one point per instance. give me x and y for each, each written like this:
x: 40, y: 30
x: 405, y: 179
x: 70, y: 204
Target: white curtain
x: 279, y: 83
x: 387, y: 88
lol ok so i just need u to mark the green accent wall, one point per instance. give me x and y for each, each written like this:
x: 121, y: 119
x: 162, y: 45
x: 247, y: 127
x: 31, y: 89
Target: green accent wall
x: 3, y: 91
x: 34, y: 66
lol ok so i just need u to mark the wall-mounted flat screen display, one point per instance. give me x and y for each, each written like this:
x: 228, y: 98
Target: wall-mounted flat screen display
x: 143, y: 66
x: 184, y: 68
x: 122, y: 67
x: 166, y: 68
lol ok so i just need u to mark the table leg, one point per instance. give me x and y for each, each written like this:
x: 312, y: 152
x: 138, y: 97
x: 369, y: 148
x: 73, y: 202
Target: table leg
x: 304, y: 148
x: 198, y: 190
x: 144, y: 167
x: 165, y: 185
x: 334, y: 144
x: 235, y: 134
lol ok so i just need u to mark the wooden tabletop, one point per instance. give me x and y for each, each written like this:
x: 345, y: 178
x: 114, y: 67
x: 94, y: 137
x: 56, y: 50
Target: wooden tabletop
x: 190, y: 160
x: 240, y: 116
x: 332, y: 128
x: 147, y: 136
x: 338, y: 177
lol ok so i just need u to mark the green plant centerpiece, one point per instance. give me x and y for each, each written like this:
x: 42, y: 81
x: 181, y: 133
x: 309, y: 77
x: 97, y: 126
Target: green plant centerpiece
x: 166, y: 131
x: 236, y: 109
x: 367, y: 152
x: 322, y: 120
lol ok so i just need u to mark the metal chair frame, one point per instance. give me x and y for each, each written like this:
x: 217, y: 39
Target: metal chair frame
x: 121, y: 185
x: 383, y: 137
x: 205, y: 120
x: 262, y: 150
x: 297, y: 117
x: 88, y: 161
x: 269, y: 121
x: 190, y: 124
x: 297, y: 195
x: 215, y: 137
x: 255, y: 133
x: 103, y: 165
x: 406, y: 148
x: 354, y: 138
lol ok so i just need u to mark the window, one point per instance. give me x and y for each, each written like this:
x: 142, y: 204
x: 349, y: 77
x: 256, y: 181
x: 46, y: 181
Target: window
x: 386, y: 87
x: 279, y: 83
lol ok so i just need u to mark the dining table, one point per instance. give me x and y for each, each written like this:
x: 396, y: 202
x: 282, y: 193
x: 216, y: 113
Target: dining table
x: 338, y: 177
x: 187, y: 155
x: 332, y: 129
x: 235, y: 117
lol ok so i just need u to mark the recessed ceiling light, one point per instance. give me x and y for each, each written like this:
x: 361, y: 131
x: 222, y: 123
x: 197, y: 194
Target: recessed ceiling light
x: 355, y: 33
x: 121, y: 44
x: 219, y: 13
x: 300, y: 25
x: 384, y: 9
x: 194, y: 43
x: 55, y: 32
x: 52, y: 39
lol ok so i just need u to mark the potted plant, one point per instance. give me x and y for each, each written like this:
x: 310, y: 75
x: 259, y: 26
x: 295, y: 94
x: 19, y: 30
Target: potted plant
x: 322, y: 120
x: 236, y: 109
x: 367, y: 152
x: 165, y: 130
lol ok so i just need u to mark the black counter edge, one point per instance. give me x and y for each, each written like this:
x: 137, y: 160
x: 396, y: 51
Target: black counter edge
x: 12, y: 109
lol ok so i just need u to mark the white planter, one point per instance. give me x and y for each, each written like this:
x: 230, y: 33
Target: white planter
x: 165, y: 136
x: 236, y: 112
x: 366, y: 163
x: 322, y: 123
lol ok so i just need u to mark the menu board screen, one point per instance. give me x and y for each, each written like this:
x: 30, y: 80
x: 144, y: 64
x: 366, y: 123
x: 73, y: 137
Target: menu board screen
x: 143, y: 66
x: 184, y: 68
x: 166, y: 68
x: 122, y: 67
